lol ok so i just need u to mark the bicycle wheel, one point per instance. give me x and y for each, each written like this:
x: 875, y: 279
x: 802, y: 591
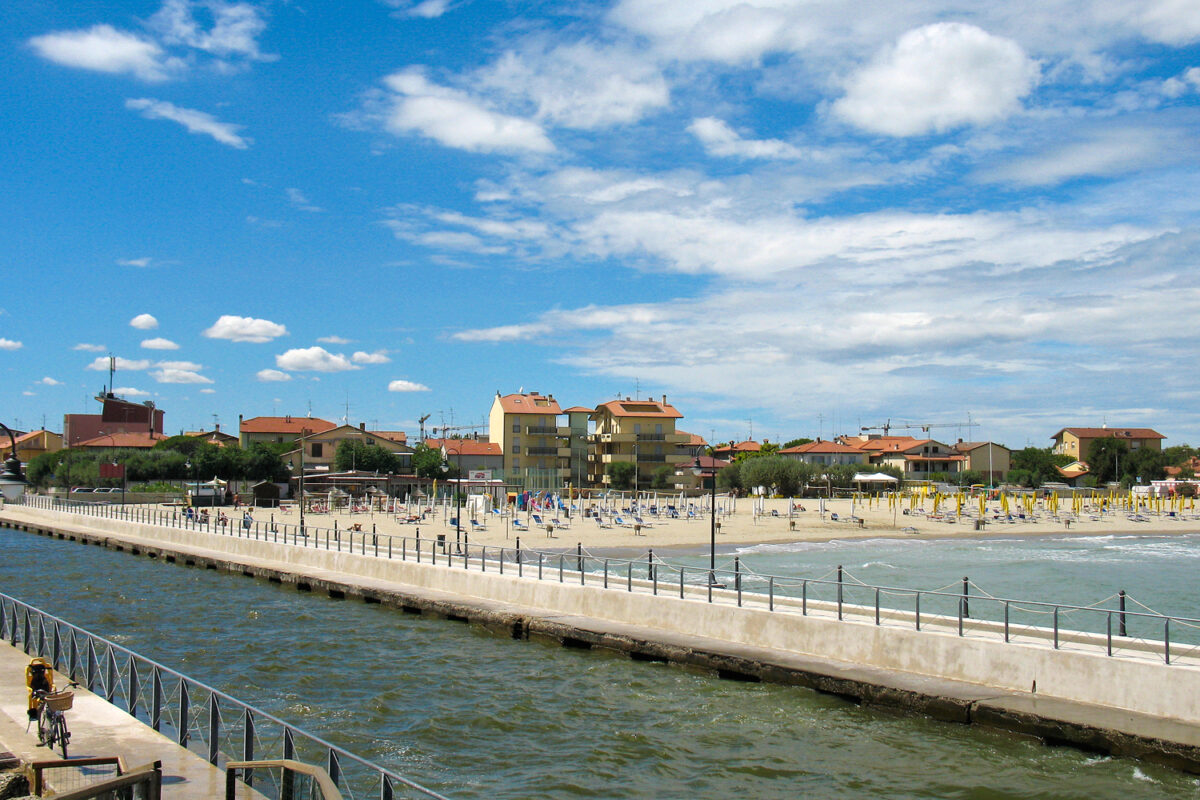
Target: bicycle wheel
x: 45, y: 732
x: 61, y: 733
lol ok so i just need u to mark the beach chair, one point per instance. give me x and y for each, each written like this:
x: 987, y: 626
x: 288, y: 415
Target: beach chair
x: 521, y: 526
x: 833, y: 516
x: 621, y: 522
x: 672, y: 512
x: 537, y: 520
x: 560, y: 523
x: 601, y: 523
x: 642, y: 522
x: 476, y: 525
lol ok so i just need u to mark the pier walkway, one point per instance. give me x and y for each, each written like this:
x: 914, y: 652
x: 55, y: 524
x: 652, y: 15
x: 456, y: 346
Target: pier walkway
x: 1132, y: 703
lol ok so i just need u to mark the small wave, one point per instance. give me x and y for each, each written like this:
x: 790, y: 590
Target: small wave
x: 1138, y: 775
x: 882, y: 564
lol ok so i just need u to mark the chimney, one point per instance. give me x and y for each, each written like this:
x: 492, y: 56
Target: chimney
x: 362, y: 426
x: 218, y: 427
x: 239, y: 423
x: 664, y: 399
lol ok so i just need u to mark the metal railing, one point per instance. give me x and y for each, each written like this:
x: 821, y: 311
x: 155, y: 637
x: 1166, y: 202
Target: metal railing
x: 209, y: 722
x: 1146, y: 634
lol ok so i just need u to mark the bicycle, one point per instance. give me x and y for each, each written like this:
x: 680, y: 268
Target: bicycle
x: 51, y: 719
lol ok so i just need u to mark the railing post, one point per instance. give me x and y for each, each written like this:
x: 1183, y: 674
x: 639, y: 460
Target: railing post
x: 917, y: 611
x: 579, y: 554
x: 681, y: 571
x: 1167, y: 639
x: 133, y: 687
x: 771, y: 593
x: 966, y: 608
x: 1006, y: 604
x: 839, y: 591
x: 156, y: 700
x: 1108, y: 632
x: 737, y: 578
x: 539, y: 566
x: 110, y: 684
x: 287, y: 788
x: 1121, y: 620
x: 214, y: 728
x: 335, y: 768
x: 184, y: 712
x: 248, y: 734
x: 561, y: 560
x: 606, y: 573
x: 876, y: 605
x: 804, y: 597
x: 1056, y: 627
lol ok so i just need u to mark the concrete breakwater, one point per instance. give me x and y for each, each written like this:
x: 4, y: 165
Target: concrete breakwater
x: 1138, y: 708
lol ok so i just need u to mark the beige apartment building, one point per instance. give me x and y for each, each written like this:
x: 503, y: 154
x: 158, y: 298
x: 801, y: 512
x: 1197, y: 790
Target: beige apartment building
x: 536, y: 446
x: 1077, y: 442
x: 641, y: 432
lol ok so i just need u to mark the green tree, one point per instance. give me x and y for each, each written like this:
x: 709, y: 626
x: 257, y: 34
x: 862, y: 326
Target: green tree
x: 1105, y: 457
x: 621, y: 474
x: 796, y: 442
x: 664, y: 477
x: 783, y: 476
x: 730, y: 478
x: 1038, y: 465
x: 428, y: 462
x: 353, y: 454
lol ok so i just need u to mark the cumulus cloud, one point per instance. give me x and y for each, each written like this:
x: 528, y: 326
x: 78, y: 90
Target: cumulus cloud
x: 313, y: 359
x: 159, y: 343
x: 48, y: 381
x: 938, y: 77
x: 194, y: 121
x: 454, y: 119
x: 333, y: 340
x: 189, y: 366
x: 172, y: 375
x: 130, y: 391
x: 407, y: 386
x: 579, y: 85
x: 101, y: 364
x: 234, y: 30
x: 245, y: 329
x: 9, y: 344
x: 271, y: 375
x: 377, y: 357
x: 144, y: 322
x: 103, y: 48
x: 90, y: 348
x: 721, y: 140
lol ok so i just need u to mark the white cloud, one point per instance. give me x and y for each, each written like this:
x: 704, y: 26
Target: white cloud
x: 28, y: 393
x: 208, y: 391
x: 333, y: 340
x: 101, y: 364
x: 407, y: 386
x: 313, y: 359
x: 103, y: 48
x: 454, y: 119
x: 9, y: 344
x: 189, y: 366
x: 159, y: 343
x: 194, y: 121
x: 144, y: 322
x: 134, y: 262
x: 48, y: 381
x: 579, y: 85
x: 271, y: 375
x: 90, y: 348
x: 172, y: 375
x: 721, y: 140
x: 1104, y: 151
x: 377, y: 357
x: 245, y: 329
x: 234, y: 31
x: 298, y: 199
x: 938, y: 77
x: 130, y: 391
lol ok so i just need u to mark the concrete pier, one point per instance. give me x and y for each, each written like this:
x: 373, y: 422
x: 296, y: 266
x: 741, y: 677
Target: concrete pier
x: 99, y: 728
x: 1125, y: 705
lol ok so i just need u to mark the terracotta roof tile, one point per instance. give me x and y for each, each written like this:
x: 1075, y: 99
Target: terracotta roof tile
x: 531, y: 403
x: 466, y: 447
x: 136, y: 439
x: 294, y: 425
x: 639, y: 408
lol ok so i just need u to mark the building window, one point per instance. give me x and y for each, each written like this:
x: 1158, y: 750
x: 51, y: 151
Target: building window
x: 317, y: 450
x: 658, y: 428
x: 516, y: 424
x: 637, y: 428
x: 516, y: 463
x: 516, y: 449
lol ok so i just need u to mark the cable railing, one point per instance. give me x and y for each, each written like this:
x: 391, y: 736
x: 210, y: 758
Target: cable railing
x: 210, y: 723
x: 1141, y: 633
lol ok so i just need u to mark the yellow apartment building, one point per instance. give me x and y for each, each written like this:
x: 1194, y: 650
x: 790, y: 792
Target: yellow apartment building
x: 536, y: 446
x: 1077, y: 442
x: 641, y: 432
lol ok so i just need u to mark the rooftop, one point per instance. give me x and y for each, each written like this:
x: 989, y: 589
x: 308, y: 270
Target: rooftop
x: 529, y: 403
x: 288, y: 424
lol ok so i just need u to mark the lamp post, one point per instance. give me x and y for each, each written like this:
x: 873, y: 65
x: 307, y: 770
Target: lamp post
x: 121, y: 468
x: 699, y: 471
x: 458, y: 531
x: 12, y: 485
x: 300, y: 487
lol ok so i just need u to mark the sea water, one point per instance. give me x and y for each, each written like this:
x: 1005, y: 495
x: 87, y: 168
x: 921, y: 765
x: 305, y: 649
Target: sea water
x: 477, y: 715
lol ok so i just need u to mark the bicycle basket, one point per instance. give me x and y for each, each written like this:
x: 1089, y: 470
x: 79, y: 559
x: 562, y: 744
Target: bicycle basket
x: 59, y: 701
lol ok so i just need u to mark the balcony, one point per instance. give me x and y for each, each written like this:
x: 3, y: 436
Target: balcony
x: 559, y: 452
x: 547, y: 430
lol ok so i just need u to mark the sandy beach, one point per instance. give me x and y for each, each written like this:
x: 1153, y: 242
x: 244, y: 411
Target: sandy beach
x: 840, y: 519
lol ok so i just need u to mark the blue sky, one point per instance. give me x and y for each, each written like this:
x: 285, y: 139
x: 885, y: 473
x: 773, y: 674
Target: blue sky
x: 789, y: 219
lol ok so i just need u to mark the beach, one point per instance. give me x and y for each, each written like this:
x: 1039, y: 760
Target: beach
x: 774, y: 521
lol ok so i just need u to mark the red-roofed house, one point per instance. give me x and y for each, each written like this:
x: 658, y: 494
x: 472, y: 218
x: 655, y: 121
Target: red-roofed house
x: 1077, y: 442
x: 535, y: 445
x: 825, y: 453
x: 142, y: 439
x: 474, y: 456
x: 641, y: 432
x: 732, y: 451
x: 33, y: 444
x: 320, y: 447
x: 993, y: 460
x: 915, y: 458
x: 276, y: 430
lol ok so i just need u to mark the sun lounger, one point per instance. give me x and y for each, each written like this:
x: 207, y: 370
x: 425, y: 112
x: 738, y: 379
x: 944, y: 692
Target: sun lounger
x: 476, y: 525
x: 621, y: 522
x: 642, y: 522
x: 601, y: 522
x: 558, y: 523
x: 521, y: 526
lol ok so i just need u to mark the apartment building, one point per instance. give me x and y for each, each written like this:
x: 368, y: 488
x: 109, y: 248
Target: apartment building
x: 276, y: 430
x: 536, y: 446
x: 1077, y: 442
x: 641, y: 432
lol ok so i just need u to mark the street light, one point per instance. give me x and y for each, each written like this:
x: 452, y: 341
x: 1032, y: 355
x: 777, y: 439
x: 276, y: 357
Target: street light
x: 300, y: 486
x: 458, y: 531
x: 121, y: 467
x: 12, y: 485
x: 699, y: 471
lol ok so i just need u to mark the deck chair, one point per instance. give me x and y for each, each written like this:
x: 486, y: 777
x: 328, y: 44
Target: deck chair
x: 521, y: 526
x: 601, y: 523
x: 642, y: 522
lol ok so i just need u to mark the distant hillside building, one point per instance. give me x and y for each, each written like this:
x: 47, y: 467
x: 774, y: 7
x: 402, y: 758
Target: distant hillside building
x: 1077, y: 442
x: 117, y: 416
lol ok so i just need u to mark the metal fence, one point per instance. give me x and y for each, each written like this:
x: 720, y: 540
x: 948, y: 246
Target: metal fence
x: 206, y: 721
x: 1114, y: 631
